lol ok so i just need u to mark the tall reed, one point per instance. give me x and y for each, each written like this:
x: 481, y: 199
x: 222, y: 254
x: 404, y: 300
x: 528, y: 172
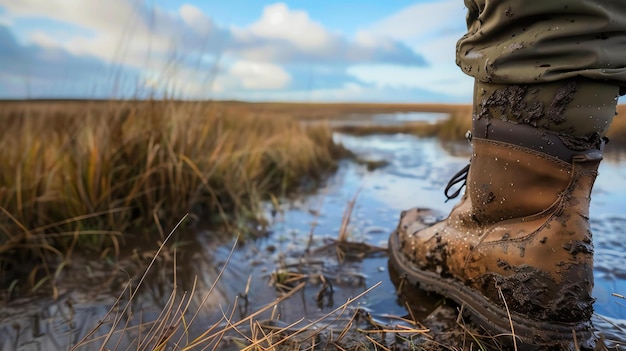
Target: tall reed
x: 82, y: 175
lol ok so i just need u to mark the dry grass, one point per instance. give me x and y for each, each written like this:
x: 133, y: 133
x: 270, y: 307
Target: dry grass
x: 345, y: 326
x: 455, y: 127
x: 171, y: 329
x: 84, y: 174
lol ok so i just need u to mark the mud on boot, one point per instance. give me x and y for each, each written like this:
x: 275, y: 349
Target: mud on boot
x: 517, y: 251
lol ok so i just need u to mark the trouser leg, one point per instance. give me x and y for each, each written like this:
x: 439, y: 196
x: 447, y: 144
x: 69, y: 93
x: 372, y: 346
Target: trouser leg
x: 579, y: 111
x: 539, y: 41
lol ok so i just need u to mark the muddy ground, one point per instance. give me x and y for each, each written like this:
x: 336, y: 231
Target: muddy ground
x: 298, y: 254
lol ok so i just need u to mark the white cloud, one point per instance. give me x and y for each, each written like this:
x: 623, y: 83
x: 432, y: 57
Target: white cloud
x: 423, y: 20
x: 129, y: 32
x: 43, y: 40
x: 432, y: 29
x: 285, y: 35
x: 5, y: 20
x: 100, y: 19
x: 87, y: 14
x: 168, y: 48
x: 259, y: 75
x: 132, y: 34
x: 121, y: 31
x: 369, y: 39
x: 279, y: 22
x: 196, y: 19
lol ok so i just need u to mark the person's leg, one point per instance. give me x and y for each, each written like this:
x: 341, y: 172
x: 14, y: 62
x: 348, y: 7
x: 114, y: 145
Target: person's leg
x: 518, y: 245
x: 537, y: 41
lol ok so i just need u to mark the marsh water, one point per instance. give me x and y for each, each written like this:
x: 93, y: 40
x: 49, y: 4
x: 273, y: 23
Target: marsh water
x: 299, y: 245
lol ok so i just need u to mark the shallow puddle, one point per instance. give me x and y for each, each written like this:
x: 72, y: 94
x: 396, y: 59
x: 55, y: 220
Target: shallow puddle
x: 301, y: 247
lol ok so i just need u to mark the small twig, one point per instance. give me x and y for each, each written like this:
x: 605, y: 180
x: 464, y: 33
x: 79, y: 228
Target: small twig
x: 377, y: 343
x: 345, y: 220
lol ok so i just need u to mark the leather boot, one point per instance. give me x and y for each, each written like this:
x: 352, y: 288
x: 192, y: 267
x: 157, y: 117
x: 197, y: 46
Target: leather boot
x: 517, y: 251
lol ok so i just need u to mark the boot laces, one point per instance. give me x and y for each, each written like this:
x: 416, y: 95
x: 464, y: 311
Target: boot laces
x: 460, y: 176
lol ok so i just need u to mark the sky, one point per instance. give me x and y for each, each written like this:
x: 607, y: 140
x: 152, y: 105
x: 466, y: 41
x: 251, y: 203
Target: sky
x: 300, y: 50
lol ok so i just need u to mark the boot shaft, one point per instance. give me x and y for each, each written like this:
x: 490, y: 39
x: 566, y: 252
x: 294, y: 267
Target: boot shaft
x: 517, y: 250
x: 508, y: 181
x: 525, y: 140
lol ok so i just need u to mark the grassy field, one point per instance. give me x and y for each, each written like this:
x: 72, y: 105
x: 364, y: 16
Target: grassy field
x: 83, y: 175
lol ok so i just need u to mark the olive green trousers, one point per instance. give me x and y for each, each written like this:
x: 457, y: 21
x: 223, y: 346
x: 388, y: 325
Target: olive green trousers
x: 558, y: 65
x: 535, y: 41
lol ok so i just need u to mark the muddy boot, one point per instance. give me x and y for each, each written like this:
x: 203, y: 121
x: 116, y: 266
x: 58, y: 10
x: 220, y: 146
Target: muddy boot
x: 517, y: 251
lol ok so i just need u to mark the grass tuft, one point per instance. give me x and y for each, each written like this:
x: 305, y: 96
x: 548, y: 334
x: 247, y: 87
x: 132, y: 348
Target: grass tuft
x: 83, y: 175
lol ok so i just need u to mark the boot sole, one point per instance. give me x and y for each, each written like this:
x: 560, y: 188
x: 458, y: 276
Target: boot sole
x: 529, y: 334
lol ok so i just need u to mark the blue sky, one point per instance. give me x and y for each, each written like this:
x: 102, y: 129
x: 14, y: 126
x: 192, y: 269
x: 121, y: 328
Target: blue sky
x: 300, y: 50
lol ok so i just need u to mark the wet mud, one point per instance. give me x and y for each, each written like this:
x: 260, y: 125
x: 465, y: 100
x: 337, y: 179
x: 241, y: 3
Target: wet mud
x: 527, y: 104
x: 302, y: 255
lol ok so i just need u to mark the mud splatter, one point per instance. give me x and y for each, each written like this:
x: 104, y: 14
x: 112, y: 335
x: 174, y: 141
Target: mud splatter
x: 524, y: 293
x: 573, y: 301
x: 503, y: 264
x: 532, y: 292
x: 591, y: 141
x: 563, y: 96
x: 509, y: 104
x: 521, y: 104
x: 435, y: 260
x: 515, y: 46
x: 575, y: 247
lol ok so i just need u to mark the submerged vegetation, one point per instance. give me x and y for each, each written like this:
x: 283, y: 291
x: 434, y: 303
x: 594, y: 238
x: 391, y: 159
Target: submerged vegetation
x: 83, y: 175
